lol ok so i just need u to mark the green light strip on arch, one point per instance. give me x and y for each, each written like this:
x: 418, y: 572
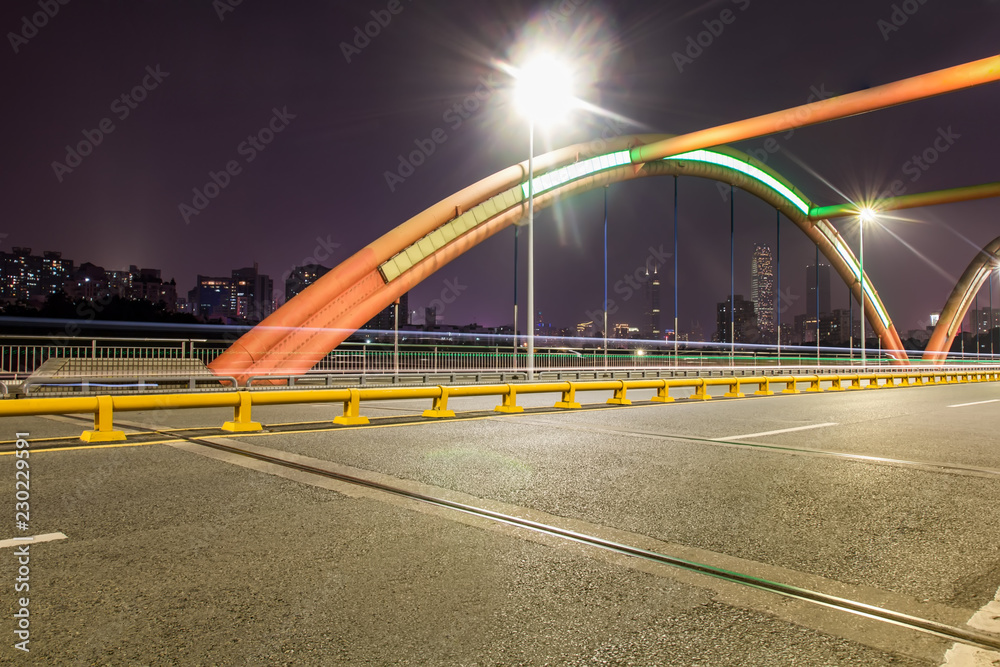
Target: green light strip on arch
x: 557, y: 177
x: 747, y: 169
x: 563, y: 175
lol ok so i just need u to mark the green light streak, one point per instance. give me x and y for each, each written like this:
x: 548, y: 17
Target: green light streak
x: 747, y: 169
x: 558, y: 177
x: 563, y: 175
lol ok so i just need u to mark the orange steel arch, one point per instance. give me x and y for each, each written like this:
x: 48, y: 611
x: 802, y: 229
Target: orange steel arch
x: 958, y: 303
x: 303, y: 331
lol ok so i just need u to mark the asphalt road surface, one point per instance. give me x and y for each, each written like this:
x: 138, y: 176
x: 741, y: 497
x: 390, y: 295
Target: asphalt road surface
x: 179, y: 553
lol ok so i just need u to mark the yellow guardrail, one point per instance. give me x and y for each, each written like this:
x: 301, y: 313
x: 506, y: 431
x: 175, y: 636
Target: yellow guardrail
x: 104, y: 407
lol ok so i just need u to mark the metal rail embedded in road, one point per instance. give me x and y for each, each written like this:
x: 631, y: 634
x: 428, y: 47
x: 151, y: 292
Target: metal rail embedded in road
x: 969, y: 637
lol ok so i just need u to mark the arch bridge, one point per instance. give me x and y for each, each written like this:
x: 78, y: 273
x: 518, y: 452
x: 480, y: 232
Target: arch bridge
x: 306, y: 328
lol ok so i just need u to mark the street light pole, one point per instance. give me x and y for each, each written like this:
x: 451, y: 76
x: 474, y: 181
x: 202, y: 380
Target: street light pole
x: 395, y: 338
x: 531, y: 248
x: 862, y: 253
x: 606, y: 187
x: 544, y: 90
x: 777, y: 295
x: 732, y: 275
x: 516, y: 227
x: 676, y: 327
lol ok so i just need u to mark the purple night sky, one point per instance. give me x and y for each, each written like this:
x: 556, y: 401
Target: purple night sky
x: 211, y: 74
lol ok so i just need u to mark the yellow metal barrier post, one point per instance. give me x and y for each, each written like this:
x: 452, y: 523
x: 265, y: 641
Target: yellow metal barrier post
x: 734, y: 390
x: 835, y: 384
x: 509, y: 405
x: 103, y: 427
x: 814, y: 383
x: 440, y: 409
x: 619, y: 397
x: 242, y: 422
x: 568, y: 401
x: 352, y: 412
x: 700, y: 392
x: 790, y: 387
x: 663, y: 393
x: 764, y: 388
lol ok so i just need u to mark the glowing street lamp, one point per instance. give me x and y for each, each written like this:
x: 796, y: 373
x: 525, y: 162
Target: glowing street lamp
x: 865, y: 216
x: 544, y: 94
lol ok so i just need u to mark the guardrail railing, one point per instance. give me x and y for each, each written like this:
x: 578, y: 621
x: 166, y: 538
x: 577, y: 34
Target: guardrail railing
x: 104, y: 407
x: 21, y: 356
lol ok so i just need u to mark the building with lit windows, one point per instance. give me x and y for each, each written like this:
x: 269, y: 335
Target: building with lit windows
x: 762, y: 290
x: 28, y: 277
x: 210, y: 297
x: 653, y: 327
x: 251, y: 294
x: 302, y: 277
x: 743, y: 320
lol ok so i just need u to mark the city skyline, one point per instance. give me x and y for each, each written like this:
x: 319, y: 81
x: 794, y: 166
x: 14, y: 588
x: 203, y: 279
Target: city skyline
x: 322, y: 138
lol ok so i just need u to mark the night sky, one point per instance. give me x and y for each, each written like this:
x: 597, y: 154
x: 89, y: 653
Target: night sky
x: 217, y: 73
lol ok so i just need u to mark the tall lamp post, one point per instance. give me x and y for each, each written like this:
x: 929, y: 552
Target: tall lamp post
x: 544, y: 93
x: 865, y: 216
x: 992, y: 317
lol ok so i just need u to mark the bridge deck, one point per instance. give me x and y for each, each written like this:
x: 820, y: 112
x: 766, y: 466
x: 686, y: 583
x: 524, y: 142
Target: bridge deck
x: 177, y: 552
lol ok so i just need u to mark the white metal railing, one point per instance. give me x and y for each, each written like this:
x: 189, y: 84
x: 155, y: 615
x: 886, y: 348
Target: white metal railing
x: 21, y: 356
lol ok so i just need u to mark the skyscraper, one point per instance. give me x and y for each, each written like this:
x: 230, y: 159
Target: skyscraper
x: 251, y: 294
x: 762, y: 289
x: 743, y: 322
x: 653, y: 327
x: 817, y: 281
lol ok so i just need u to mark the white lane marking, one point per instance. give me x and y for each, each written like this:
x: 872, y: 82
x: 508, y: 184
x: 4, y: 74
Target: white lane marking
x: 962, y: 405
x: 783, y: 430
x: 18, y: 541
x: 962, y: 655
